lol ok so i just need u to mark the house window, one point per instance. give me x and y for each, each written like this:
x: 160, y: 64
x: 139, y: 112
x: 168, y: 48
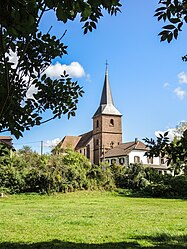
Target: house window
x: 113, y: 161
x: 150, y: 160
x: 121, y: 160
x: 97, y: 123
x: 136, y: 159
x: 112, y: 122
x: 80, y: 151
x: 162, y: 161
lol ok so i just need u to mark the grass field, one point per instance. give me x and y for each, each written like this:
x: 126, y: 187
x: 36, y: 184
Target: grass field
x: 92, y: 220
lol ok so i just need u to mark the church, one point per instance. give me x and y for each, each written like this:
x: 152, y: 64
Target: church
x: 104, y: 141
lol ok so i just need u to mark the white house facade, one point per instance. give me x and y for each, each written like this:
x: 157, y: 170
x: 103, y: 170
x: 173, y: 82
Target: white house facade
x: 134, y: 152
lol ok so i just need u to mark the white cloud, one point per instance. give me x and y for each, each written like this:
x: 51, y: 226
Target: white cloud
x: 74, y: 70
x: 51, y: 143
x: 180, y: 93
x: 166, y: 84
x: 88, y: 78
x: 182, y: 78
x: 171, y: 133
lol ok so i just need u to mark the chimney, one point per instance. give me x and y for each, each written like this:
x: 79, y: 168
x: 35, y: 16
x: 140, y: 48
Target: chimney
x: 136, y: 140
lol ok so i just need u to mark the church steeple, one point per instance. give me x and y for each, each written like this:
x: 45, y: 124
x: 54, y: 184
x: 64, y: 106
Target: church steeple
x: 106, y: 103
x: 107, y: 130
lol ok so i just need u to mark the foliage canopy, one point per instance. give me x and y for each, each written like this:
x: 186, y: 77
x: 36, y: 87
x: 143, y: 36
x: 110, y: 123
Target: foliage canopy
x: 34, y: 50
x: 174, y: 152
x: 174, y: 14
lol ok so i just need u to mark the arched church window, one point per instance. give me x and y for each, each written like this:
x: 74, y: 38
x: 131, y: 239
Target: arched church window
x: 111, y: 144
x: 111, y: 122
x: 97, y: 141
x: 97, y: 123
x: 88, y: 151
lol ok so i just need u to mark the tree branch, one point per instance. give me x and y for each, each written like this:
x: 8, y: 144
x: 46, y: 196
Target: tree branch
x: 6, y: 72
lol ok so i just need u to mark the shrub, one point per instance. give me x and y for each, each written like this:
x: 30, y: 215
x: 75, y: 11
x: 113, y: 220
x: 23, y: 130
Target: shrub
x: 179, y: 185
x: 157, y: 190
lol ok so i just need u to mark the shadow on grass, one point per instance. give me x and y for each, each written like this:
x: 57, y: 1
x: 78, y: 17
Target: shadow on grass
x: 142, y: 194
x: 162, y: 241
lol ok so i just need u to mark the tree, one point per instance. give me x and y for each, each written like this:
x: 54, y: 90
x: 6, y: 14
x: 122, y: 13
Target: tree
x: 5, y: 154
x: 25, y: 150
x: 175, y: 152
x: 174, y: 12
x: 180, y: 128
x: 20, y: 34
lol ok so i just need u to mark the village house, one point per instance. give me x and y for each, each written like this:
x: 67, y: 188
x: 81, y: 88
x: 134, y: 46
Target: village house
x: 6, y: 140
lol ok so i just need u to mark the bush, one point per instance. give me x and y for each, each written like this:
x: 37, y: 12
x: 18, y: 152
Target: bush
x: 11, y: 179
x: 101, y: 177
x: 179, y: 185
x: 27, y: 171
x: 157, y: 190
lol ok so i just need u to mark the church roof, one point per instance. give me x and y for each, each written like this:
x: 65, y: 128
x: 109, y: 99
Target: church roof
x: 106, y: 103
x: 75, y: 142
x: 69, y: 142
x: 125, y: 148
x: 84, y: 139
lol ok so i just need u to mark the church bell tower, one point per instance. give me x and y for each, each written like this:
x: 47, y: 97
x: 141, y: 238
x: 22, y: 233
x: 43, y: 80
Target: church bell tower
x: 107, y: 128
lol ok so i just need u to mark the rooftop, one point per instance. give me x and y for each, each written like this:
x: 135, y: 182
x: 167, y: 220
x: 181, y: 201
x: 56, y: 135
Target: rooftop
x: 125, y: 148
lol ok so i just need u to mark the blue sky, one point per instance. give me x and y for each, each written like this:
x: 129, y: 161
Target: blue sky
x: 148, y: 78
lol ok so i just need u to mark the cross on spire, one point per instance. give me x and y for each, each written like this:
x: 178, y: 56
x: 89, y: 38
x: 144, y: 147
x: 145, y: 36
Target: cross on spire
x: 106, y: 67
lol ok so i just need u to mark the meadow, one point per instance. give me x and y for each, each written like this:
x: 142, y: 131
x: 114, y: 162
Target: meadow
x: 82, y: 220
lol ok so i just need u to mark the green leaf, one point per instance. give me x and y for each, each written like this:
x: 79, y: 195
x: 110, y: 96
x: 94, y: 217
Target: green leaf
x: 43, y: 77
x: 87, y: 12
x: 61, y: 14
x: 159, y: 9
x: 170, y: 37
x: 180, y: 26
x: 174, y: 20
x: 166, y: 133
x: 163, y: 37
x: 93, y: 25
x: 175, y: 33
x: 169, y: 26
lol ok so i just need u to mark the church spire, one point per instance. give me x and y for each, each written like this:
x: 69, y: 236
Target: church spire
x: 106, y: 102
x: 106, y: 97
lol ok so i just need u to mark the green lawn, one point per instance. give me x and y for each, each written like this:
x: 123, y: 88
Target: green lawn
x: 92, y: 220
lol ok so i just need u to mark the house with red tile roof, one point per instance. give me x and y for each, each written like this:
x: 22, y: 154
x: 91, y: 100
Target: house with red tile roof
x: 6, y: 140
